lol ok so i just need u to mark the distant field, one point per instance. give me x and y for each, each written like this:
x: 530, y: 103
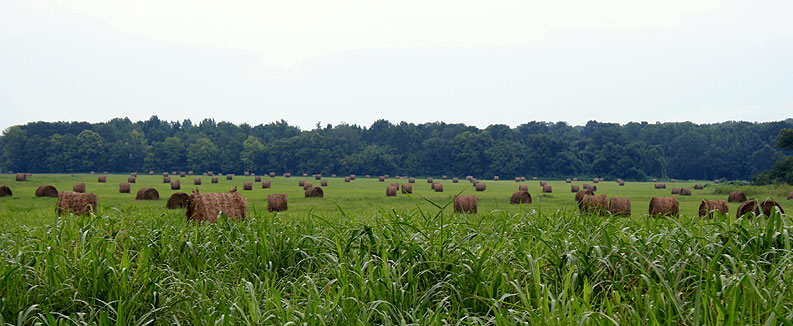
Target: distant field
x: 357, y: 257
x: 361, y: 197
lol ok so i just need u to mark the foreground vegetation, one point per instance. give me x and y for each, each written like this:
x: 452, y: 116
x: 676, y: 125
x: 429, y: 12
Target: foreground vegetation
x: 356, y: 257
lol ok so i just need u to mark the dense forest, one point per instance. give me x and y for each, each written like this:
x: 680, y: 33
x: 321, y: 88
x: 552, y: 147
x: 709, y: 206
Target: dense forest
x: 633, y: 151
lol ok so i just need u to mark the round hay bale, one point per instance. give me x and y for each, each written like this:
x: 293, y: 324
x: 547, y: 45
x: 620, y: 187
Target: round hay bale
x: 429, y: 180
x: 76, y: 203
x: 543, y: 183
x: 568, y: 181
x: 318, y: 177
x: 790, y: 195
x: 210, y: 173
x: 443, y: 177
x: 166, y: 180
x: 307, y: 185
x: 520, y: 197
x: 664, y: 206
x: 517, y: 179
x: 620, y: 206
x: 182, y: 174
x: 247, y: 185
x: 314, y: 192
x: 229, y: 177
x: 5, y: 191
x: 300, y: 183
x: 547, y: 189
x: 190, y: 173
x: 287, y: 175
x: 748, y: 207
x: 133, y: 174
x: 176, y: 185
x: 595, y: 204
x: 534, y: 178
x: 347, y: 179
x: 675, y: 191
x: 660, y: 186
x: 272, y: 174
x: 437, y: 186
x: 79, y: 187
x: 276, y: 203
x: 265, y: 184
x: 165, y: 174
x: 474, y: 181
x: 257, y: 179
x: 131, y: 179
x: 672, y: 180
x: 495, y: 178
x: 407, y: 188
x: 147, y: 194
x: 197, y: 182
x: 323, y: 183
x: 333, y: 175
x: 575, y: 179
x: 465, y: 204
x: 523, y: 188
x: 124, y: 187
x: 305, y: 174
x: 352, y: 177
x: 177, y: 200
x: 47, y: 191
x: 699, y: 187
x: 215, y: 180
x: 246, y: 173
x: 455, y: 180
x: 716, y: 181
x: 595, y: 180
x: 368, y: 176
x: 579, y: 196
x: 381, y: 178
x: 737, y: 196
x: 769, y: 207
x: 102, y: 179
x: 480, y: 186
x: 708, y: 207
x: 151, y: 172
x: 655, y: 179
x: 174, y: 172
x: 588, y: 186
x: 395, y: 184
x: 207, y: 207
x: 574, y: 189
x: 621, y: 183
x: 411, y: 180
x: 685, y: 191
x: 390, y: 191
x: 22, y: 177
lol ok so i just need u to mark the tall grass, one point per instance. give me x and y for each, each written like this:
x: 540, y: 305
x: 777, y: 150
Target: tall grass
x: 398, y: 267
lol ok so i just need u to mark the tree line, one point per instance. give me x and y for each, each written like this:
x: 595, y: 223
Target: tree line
x: 633, y: 151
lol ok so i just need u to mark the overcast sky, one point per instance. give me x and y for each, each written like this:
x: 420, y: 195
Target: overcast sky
x: 475, y: 62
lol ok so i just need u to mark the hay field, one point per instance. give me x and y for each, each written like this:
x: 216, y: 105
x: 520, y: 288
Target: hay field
x: 358, y: 257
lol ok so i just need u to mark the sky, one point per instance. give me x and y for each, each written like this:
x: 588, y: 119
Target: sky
x: 356, y: 61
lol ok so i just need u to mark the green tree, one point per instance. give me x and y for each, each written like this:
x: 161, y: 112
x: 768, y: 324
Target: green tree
x: 252, y: 151
x: 91, y: 151
x: 202, y: 155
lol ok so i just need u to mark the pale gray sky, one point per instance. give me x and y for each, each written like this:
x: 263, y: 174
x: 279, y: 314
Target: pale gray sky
x: 355, y: 61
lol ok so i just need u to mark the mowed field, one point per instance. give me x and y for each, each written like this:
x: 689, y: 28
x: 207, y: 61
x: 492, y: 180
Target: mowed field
x: 360, y: 198
x: 357, y: 257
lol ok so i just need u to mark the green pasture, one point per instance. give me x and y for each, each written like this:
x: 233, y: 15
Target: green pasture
x: 359, y: 198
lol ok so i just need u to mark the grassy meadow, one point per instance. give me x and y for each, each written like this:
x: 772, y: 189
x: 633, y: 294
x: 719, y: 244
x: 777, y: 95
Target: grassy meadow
x: 357, y: 257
